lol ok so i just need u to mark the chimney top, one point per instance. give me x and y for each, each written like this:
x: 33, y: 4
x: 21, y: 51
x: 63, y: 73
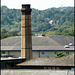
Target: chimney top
x: 25, y: 5
x: 26, y: 10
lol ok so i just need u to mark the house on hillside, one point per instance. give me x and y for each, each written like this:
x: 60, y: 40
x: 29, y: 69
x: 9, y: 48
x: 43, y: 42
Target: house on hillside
x: 52, y: 22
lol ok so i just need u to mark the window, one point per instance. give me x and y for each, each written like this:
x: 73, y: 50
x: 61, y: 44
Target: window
x: 3, y: 52
x: 55, y: 52
x: 43, y: 52
x: 67, y: 52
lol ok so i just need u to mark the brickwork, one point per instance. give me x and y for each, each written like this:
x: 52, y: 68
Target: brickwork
x: 26, y: 39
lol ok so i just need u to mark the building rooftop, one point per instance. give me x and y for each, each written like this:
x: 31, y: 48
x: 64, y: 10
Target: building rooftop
x: 63, y: 40
x: 52, y: 48
x: 10, y: 58
x: 58, y: 40
x: 39, y: 43
x: 18, y: 48
x: 62, y: 61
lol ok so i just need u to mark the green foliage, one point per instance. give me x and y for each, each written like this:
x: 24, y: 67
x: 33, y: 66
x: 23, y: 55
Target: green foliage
x: 4, y: 35
x: 19, y: 33
x: 11, y: 19
x: 13, y: 32
x: 47, y: 56
x: 33, y: 34
x: 3, y: 31
x: 59, y: 54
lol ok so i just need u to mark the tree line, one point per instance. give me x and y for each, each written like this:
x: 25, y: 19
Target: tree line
x: 63, y: 21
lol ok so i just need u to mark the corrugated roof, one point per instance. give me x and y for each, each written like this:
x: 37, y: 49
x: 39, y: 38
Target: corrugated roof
x: 62, y: 61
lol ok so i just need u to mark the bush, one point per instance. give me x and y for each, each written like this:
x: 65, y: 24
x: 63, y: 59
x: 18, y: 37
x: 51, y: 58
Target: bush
x: 4, y: 35
x: 47, y: 56
x: 59, y: 54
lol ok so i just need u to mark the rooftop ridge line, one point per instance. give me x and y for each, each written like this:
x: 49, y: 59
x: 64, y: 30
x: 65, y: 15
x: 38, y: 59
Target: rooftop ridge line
x: 54, y: 40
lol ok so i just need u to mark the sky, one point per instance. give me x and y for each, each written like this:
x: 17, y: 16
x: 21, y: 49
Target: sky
x: 37, y: 4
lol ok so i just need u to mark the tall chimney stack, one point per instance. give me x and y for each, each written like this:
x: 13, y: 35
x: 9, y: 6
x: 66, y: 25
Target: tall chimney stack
x: 26, y: 39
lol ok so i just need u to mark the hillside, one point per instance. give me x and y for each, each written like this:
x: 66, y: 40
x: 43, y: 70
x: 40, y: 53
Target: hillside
x: 63, y: 21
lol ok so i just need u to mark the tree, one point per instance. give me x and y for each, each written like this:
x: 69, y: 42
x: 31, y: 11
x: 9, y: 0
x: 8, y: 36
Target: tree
x: 4, y: 35
x: 3, y: 31
x: 67, y: 24
x: 13, y: 32
x: 62, y: 19
x: 11, y: 19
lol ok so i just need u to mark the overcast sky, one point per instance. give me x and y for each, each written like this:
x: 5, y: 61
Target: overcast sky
x: 37, y: 4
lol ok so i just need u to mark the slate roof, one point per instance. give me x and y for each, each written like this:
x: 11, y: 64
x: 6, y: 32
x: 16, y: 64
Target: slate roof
x: 43, y: 41
x: 63, y: 40
x: 11, y: 41
x: 62, y: 61
x: 10, y: 47
x: 37, y: 48
x: 39, y: 41
x: 36, y: 72
x: 52, y: 48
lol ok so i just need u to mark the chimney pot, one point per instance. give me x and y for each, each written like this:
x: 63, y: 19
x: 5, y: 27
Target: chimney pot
x: 26, y: 6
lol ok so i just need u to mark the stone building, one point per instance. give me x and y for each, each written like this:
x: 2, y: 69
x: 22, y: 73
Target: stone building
x: 28, y: 53
x: 41, y: 46
x: 37, y: 51
x: 37, y: 72
x: 65, y: 62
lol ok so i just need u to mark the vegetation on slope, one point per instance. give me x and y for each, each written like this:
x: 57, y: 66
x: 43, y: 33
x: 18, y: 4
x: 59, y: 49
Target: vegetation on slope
x: 63, y: 21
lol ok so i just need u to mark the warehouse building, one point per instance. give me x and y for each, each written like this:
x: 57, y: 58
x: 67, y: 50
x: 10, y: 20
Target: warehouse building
x: 41, y: 46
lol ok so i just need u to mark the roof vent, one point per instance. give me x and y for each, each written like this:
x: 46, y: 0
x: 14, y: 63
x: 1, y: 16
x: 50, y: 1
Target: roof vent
x: 70, y: 44
x: 9, y: 57
x: 43, y: 34
x: 66, y: 46
x: 19, y: 57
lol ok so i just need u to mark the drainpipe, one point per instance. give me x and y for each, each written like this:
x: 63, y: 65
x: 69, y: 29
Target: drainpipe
x: 67, y: 73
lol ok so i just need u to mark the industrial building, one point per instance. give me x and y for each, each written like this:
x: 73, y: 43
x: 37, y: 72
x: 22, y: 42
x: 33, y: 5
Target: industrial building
x: 41, y: 46
x: 36, y: 72
x: 25, y: 51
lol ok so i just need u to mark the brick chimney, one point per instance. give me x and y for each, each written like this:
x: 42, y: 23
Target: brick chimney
x: 26, y: 39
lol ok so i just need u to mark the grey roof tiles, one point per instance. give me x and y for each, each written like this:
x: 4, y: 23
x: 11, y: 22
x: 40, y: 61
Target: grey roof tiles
x: 62, y: 61
x: 39, y: 41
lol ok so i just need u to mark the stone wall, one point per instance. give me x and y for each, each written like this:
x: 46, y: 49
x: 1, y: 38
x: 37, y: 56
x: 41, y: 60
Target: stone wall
x: 36, y: 72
